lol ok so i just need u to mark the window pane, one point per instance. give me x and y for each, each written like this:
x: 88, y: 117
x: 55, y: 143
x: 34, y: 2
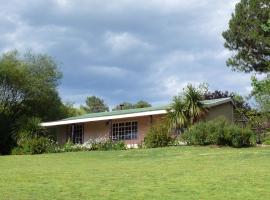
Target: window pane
x: 125, y: 131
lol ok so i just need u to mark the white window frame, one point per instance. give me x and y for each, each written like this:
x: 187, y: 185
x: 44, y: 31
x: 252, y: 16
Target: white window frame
x: 127, y: 130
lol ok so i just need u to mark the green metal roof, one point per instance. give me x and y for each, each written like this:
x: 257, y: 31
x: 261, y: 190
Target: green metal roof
x: 207, y: 103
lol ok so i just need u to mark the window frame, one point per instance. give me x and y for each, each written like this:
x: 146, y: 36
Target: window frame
x: 73, y: 136
x: 124, y: 130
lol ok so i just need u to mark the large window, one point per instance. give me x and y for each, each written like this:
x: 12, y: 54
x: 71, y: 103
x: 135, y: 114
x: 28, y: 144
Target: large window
x: 75, y: 133
x: 124, y: 131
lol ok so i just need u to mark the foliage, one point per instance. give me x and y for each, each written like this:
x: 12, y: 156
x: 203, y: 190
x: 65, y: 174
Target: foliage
x: 27, y: 128
x: 100, y: 143
x: 32, y: 138
x: 176, y: 114
x: 95, y: 104
x: 70, y: 110
x: 185, y: 109
x: 248, y: 36
x: 69, y: 147
x: 36, y: 145
x: 127, y: 105
x: 266, y: 27
x: 266, y: 140
x: 157, y: 136
x: 194, y: 106
x: 261, y: 92
x: 219, y: 132
x: 28, y: 86
x: 142, y: 104
x: 260, y: 123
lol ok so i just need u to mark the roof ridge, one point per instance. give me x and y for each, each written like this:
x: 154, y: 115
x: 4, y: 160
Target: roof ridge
x: 132, y: 110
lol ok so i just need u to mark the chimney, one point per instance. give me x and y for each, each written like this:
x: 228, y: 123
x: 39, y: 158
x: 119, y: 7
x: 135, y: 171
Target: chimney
x: 121, y: 106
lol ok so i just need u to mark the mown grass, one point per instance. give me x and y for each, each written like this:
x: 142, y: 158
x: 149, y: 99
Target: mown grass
x: 164, y: 173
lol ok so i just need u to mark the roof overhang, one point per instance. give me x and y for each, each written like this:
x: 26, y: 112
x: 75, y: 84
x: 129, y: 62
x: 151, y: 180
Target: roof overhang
x: 141, y: 113
x: 74, y: 121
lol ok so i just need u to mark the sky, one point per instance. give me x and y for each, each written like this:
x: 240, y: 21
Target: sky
x: 126, y: 50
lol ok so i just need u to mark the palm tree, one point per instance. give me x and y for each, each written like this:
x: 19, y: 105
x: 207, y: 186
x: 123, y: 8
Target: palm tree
x: 194, y: 106
x: 185, y: 109
x: 176, y: 114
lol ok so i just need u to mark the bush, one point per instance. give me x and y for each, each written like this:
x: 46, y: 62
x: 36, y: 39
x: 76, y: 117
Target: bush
x: 100, y: 143
x: 219, y: 132
x: 240, y: 137
x: 157, y: 136
x: 36, y: 145
x: 266, y: 139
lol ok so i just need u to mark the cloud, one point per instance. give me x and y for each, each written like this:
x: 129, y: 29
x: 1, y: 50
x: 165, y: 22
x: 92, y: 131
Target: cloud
x: 106, y: 71
x: 126, y: 50
x: 123, y: 42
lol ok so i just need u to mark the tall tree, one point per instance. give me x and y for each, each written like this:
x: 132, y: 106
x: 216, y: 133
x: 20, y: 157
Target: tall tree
x: 95, y: 104
x: 248, y: 36
x: 27, y: 89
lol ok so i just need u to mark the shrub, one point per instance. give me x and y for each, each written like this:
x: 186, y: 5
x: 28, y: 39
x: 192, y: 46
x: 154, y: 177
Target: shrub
x: 157, y: 136
x: 219, y: 132
x: 37, y: 145
x: 69, y: 147
x: 240, y: 137
x: 101, y: 143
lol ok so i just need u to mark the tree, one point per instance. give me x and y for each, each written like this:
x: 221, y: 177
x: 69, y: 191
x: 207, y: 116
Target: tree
x: 70, y: 110
x: 185, y: 109
x: 27, y: 89
x: 142, y: 104
x: 177, y: 115
x: 95, y: 104
x: 217, y: 94
x: 239, y: 101
x: 248, y: 36
x: 261, y: 92
x: 194, y: 106
x: 128, y: 105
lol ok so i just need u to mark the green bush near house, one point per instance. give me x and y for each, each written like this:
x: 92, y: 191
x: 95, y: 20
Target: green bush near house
x: 158, y: 136
x: 36, y: 145
x: 103, y: 144
x: 108, y: 145
x: 266, y: 140
x: 219, y: 132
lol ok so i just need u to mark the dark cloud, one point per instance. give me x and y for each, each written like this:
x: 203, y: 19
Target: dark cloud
x: 125, y: 50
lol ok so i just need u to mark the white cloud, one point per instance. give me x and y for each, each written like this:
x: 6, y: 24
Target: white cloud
x: 123, y: 42
x: 106, y: 71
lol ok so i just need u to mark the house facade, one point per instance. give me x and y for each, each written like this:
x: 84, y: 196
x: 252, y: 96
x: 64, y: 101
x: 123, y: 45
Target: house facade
x: 131, y: 125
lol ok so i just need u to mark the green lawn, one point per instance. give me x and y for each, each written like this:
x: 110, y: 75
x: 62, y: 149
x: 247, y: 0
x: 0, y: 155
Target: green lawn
x: 165, y: 173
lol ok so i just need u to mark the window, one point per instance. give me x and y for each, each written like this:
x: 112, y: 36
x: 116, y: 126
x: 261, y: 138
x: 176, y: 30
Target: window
x: 125, y: 131
x: 75, y: 133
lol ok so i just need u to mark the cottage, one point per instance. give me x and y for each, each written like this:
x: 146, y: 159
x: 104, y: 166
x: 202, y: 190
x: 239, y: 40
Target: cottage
x: 128, y: 125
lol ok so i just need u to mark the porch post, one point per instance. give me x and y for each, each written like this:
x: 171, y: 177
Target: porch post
x: 110, y: 129
x: 72, y: 133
